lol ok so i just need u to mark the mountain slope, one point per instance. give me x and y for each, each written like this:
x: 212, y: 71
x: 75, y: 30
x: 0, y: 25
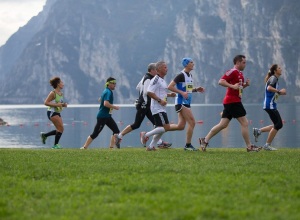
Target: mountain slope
x: 86, y: 42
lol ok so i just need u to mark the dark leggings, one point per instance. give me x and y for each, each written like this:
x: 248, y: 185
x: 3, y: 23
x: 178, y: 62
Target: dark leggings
x: 140, y: 115
x: 275, y: 118
x: 101, y: 122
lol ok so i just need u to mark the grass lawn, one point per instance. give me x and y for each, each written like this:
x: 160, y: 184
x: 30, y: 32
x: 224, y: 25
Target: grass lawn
x: 131, y: 183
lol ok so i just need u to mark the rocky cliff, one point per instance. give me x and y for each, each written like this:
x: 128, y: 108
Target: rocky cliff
x: 85, y: 42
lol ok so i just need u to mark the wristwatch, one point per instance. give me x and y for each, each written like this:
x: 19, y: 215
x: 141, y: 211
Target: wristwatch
x: 159, y: 100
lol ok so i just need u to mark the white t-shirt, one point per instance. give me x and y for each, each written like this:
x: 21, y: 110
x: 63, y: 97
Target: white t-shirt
x: 158, y: 86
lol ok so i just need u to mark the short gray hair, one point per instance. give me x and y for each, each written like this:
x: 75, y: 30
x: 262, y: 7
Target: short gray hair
x: 159, y: 64
x: 151, y: 66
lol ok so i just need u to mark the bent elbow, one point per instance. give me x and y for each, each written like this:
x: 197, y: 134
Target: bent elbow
x: 221, y: 82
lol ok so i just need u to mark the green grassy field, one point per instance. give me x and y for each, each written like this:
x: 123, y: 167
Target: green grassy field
x: 134, y: 184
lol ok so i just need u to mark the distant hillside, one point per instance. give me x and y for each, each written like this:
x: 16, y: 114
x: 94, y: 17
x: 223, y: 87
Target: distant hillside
x: 86, y: 42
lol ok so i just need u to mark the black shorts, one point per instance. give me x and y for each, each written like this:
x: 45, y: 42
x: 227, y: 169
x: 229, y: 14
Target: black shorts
x: 160, y: 119
x: 233, y: 110
x: 179, y: 107
x: 50, y: 114
x: 275, y: 118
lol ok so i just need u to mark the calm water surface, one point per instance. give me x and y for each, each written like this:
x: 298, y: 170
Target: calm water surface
x: 25, y: 123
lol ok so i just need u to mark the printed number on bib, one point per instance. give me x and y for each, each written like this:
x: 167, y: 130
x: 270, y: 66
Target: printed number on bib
x: 189, y: 87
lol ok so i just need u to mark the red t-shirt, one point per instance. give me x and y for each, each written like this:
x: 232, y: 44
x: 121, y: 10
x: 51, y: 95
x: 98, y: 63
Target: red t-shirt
x: 232, y: 76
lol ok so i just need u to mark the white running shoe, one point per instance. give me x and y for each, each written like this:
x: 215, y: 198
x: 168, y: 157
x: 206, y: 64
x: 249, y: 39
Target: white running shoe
x: 269, y: 148
x: 256, y: 133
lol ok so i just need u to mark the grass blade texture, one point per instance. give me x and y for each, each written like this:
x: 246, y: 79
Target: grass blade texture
x: 131, y: 183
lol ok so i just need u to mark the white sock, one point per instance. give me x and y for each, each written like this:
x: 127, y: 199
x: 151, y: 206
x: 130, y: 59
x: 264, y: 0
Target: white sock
x: 155, y: 140
x: 159, y: 141
x: 158, y: 130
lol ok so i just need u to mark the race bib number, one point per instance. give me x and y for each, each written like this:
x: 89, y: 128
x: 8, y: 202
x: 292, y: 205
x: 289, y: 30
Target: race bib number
x: 276, y: 97
x: 189, y: 87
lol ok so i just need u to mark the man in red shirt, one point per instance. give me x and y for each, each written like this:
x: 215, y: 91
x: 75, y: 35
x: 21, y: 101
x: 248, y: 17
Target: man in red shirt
x: 233, y: 79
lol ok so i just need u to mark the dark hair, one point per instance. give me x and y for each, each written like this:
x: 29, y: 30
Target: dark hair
x: 238, y: 58
x: 54, y: 81
x: 110, y: 79
x: 271, y: 71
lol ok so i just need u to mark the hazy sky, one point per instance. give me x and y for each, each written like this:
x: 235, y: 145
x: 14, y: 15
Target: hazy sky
x: 15, y: 14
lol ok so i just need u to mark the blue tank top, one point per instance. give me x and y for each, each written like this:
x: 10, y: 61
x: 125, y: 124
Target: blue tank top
x: 186, y: 86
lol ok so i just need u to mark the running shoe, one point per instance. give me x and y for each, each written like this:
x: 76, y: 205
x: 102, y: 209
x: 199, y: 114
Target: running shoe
x: 253, y: 148
x: 164, y: 145
x: 43, y: 137
x: 269, y: 148
x: 190, y: 148
x: 150, y: 149
x: 144, y: 139
x: 256, y: 133
x: 203, y: 144
x: 56, y: 146
x: 117, y: 141
x: 83, y: 148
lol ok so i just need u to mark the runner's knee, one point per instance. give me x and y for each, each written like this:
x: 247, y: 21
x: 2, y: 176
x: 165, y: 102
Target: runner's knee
x: 278, y: 125
x: 135, y: 126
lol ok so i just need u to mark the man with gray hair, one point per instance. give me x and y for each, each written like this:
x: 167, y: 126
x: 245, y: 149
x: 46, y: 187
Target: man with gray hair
x: 158, y: 92
x: 143, y: 108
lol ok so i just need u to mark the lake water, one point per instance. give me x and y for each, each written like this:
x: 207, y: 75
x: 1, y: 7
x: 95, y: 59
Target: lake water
x: 25, y: 122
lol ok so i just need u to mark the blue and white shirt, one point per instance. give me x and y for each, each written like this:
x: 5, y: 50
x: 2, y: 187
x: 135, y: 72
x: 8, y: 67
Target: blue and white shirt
x: 184, y: 82
x: 271, y: 97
